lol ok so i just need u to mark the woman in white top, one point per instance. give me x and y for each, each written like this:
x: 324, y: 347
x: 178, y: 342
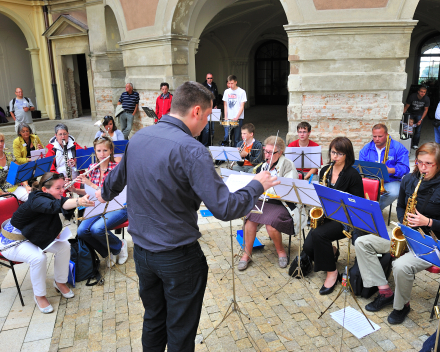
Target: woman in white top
x: 112, y: 130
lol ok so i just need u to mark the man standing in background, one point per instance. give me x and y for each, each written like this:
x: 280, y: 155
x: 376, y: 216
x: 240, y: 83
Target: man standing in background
x: 417, y: 105
x: 234, y: 99
x: 20, y: 108
x: 208, y: 131
x: 130, y: 103
x: 163, y: 101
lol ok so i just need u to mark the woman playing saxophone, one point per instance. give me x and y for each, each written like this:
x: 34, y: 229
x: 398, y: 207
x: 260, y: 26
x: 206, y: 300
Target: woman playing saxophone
x: 418, y: 205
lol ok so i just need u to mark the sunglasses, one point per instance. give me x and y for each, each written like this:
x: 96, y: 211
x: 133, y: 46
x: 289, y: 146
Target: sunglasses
x: 53, y: 177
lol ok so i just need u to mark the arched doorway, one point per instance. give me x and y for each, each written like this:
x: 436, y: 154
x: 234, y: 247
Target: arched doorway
x: 271, y: 73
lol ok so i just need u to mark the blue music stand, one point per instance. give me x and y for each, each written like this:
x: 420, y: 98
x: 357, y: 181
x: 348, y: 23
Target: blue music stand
x: 120, y: 146
x: 20, y: 173
x: 84, y: 157
x: 374, y: 169
x: 43, y: 165
x: 356, y: 213
x: 425, y: 248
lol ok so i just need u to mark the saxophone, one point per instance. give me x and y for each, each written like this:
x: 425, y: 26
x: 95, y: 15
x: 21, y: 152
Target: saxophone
x: 240, y: 150
x: 385, y: 158
x: 398, y: 242
x: 66, y: 160
x: 317, y: 213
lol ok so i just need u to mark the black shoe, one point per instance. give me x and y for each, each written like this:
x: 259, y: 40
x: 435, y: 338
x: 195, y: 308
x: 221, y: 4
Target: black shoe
x: 306, y: 265
x: 379, y: 302
x: 337, y: 254
x: 398, y: 316
x: 327, y: 290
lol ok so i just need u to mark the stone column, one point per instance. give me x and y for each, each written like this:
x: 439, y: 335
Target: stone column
x: 39, y: 90
x: 344, y: 78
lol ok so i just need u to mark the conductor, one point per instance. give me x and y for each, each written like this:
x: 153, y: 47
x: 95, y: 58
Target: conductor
x: 164, y: 190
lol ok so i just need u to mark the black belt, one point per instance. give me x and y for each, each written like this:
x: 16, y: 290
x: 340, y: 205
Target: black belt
x: 174, y: 249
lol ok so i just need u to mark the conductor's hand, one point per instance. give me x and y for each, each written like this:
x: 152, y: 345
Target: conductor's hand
x: 98, y: 195
x: 266, y: 180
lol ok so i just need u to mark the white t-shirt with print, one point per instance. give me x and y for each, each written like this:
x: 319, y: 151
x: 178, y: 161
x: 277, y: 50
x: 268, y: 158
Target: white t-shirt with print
x: 234, y: 98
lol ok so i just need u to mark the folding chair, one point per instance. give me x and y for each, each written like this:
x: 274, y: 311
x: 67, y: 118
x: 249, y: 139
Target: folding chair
x: 7, y: 208
x: 120, y: 228
x: 434, y: 270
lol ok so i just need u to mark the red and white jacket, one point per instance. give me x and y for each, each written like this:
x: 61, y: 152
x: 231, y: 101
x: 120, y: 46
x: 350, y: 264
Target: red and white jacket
x: 163, y: 106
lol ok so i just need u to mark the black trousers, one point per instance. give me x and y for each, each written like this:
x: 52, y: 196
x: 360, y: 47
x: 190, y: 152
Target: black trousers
x: 318, y: 245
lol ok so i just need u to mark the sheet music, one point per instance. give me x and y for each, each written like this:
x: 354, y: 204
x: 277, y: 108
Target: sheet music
x: 225, y: 153
x: 215, y: 115
x: 355, y: 322
x: 236, y: 182
x: 117, y: 203
x: 64, y: 236
x: 312, y: 156
x: 37, y: 154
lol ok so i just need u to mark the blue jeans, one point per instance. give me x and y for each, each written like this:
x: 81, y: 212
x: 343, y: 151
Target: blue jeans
x: 236, y: 137
x: 437, y: 134
x: 126, y: 119
x: 417, y: 130
x: 92, y: 231
x: 171, y: 286
x: 393, y: 189
x: 206, y: 140
x: 429, y: 344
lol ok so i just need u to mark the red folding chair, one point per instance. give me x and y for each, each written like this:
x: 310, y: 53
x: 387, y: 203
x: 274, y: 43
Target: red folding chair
x: 371, y: 188
x: 7, y: 207
x: 121, y: 228
x: 434, y: 270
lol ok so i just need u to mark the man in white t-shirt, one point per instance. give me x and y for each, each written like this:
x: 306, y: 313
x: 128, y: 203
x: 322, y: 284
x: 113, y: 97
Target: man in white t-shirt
x: 234, y: 99
x: 20, y: 108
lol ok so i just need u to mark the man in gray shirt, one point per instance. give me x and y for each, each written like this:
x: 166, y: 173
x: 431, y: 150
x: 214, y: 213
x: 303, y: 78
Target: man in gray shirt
x: 20, y: 108
x: 168, y: 174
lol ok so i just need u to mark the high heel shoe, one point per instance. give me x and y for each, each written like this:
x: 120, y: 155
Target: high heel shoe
x: 46, y: 310
x: 337, y: 254
x: 327, y: 290
x: 69, y: 294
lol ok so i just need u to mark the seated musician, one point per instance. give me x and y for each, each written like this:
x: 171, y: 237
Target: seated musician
x: 39, y: 222
x: 397, y: 163
x: 304, y: 129
x: 25, y: 143
x: 6, y: 158
x: 252, y: 153
x: 56, y: 147
x: 275, y: 216
x: 92, y: 230
x: 109, y: 124
x: 427, y: 217
x: 318, y: 244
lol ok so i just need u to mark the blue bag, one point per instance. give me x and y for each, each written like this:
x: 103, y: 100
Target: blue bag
x: 71, y: 277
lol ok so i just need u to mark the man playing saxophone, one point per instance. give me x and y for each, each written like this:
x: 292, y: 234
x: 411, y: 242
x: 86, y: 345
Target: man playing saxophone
x: 423, y: 211
x: 383, y: 149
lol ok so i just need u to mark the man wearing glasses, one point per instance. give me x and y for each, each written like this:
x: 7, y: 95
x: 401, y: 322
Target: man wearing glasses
x: 397, y: 162
x: 208, y: 131
x: 304, y: 129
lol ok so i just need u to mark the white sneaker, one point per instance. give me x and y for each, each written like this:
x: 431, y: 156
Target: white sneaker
x: 111, y: 260
x: 123, y: 255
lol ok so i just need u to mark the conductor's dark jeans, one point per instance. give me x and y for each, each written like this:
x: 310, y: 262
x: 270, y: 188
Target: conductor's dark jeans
x: 171, y: 286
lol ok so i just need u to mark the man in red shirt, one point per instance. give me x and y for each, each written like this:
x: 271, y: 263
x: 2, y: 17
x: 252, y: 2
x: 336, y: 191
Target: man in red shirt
x: 163, y: 101
x: 304, y: 129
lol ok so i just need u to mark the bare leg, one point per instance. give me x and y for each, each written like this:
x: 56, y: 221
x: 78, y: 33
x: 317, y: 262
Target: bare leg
x: 250, y: 232
x: 277, y: 239
x: 331, y: 278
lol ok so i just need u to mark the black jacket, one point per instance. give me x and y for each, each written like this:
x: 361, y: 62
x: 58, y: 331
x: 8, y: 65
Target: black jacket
x: 214, y: 92
x: 427, y: 188
x: 348, y: 181
x: 38, y: 219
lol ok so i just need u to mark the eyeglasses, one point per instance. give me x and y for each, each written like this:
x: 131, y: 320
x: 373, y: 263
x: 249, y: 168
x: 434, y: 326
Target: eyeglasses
x: 53, y: 177
x: 62, y: 134
x: 427, y: 164
x: 270, y: 152
x: 336, y: 153
x: 208, y: 77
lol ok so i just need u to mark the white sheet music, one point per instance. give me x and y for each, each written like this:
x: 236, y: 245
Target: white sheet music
x: 63, y: 236
x: 354, y: 321
x: 312, y: 156
x: 236, y: 182
x: 117, y: 203
x: 37, y: 154
x: 215, y: 115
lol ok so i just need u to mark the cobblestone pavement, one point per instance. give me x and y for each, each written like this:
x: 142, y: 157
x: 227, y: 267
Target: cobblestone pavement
x: 109, y: 317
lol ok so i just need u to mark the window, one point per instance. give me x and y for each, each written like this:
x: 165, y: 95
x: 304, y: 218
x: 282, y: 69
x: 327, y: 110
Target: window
x: 429, y: 62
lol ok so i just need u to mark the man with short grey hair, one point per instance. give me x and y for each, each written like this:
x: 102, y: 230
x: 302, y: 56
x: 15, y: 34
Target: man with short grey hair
x: 130, y: 103
x: 20, y: 108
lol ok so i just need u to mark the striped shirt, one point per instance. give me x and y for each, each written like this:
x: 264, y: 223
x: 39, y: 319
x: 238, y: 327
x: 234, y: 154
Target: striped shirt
x: 129, y: 101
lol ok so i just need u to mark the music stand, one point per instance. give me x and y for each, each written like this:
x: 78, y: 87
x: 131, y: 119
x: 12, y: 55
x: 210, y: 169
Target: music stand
x: 310, y: 157
x: 213, y: 117
x: 32, y: 169
x: 425, y: 247
x: 150, y: 112
x: 369, y: 168
x: 356, y: 213
x: 120, y: 146
x: 84, y: 157
x: 225, y: 153
x: 43, y: 165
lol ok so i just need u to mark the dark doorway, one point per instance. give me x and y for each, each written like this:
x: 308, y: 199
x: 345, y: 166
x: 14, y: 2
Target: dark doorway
x: 84, y: 84
x: 271, y: 73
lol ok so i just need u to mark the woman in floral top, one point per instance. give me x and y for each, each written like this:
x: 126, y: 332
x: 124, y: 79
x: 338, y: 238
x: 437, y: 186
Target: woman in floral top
x: 21, y: 192
x: 92, y: 230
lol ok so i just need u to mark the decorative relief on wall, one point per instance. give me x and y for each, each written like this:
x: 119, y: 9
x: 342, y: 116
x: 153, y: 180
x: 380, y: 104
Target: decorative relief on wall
x: 348, y: 4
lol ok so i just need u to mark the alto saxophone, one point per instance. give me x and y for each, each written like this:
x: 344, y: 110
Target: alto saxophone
x: 317, y: 213
x: 398, y: 242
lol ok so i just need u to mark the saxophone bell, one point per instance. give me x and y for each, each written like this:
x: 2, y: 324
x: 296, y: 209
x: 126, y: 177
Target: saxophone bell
x: 316, y: 214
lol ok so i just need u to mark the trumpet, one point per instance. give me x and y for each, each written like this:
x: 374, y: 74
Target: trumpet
x: 317, y: 213
x: 101, y: 127
x: 240, y: 150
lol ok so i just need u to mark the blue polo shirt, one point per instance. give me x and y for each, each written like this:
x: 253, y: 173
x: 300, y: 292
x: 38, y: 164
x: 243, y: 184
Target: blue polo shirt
x: 129, y: 101
x: 398, y: 158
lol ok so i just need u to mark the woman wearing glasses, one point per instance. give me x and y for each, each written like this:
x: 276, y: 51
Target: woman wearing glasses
x: 427, y: 217
x: 92, y: 230
x: 275, y: 216
x: 38, y: 220
x: 318, y: 246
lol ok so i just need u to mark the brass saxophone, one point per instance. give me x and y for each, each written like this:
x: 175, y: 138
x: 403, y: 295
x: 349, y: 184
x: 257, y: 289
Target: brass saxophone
x: 240, y: 150
x: 398, y: 242
x: 254, y: 170
x: 317, y: 213
x: 385, y: 158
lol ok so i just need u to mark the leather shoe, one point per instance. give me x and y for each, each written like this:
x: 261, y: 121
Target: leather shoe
x: 398, y: 316
x: 327, y: 290
x: 243, y: 264
x: 379, y: 302
x: 282, y: 262
x: 45, y: 310
x: 69, y: 294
